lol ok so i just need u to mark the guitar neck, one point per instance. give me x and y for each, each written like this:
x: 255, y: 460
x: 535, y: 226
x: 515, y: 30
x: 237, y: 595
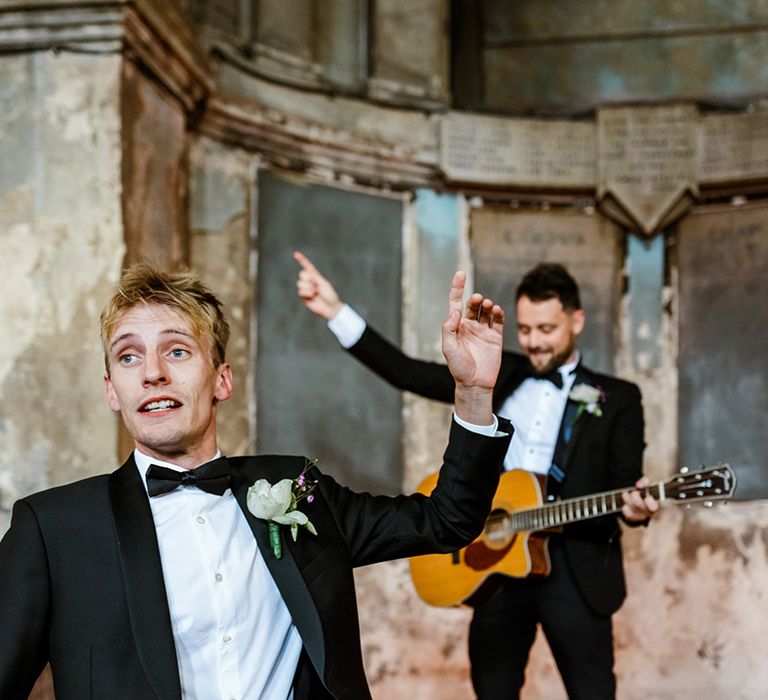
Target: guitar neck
x: 573, y: 510
x: 685, y: 487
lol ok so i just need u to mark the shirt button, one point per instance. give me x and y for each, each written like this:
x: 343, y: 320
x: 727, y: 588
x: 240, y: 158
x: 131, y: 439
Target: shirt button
x: 219, y: 578
x: 226, y: 639
x: 200, y: 519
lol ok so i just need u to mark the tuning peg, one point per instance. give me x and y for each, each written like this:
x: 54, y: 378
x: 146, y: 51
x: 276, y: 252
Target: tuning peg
x: 684, y: 470
x: 708, y: 504
x: 688, y: 506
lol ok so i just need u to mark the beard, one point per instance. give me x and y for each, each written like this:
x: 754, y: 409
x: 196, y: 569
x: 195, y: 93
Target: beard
x: 556, y: 361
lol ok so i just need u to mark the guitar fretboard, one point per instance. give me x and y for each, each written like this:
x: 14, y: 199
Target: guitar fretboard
x: 574, y: 510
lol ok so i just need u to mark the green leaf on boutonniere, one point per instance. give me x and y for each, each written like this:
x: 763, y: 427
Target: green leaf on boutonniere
x: 274, y: 539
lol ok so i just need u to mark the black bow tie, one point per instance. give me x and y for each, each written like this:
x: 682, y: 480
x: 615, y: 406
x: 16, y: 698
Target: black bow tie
x: 212, y: 477
x: 553, y: 376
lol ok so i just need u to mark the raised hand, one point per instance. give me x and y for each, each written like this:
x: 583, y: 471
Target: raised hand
x: 318, y: 293
x: 472, y: 347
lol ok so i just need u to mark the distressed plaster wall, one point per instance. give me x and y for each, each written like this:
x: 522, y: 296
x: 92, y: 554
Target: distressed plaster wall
x: 61, y: 244
x: 692, y: 624
x: 154, y: 172
x: 222, y: 195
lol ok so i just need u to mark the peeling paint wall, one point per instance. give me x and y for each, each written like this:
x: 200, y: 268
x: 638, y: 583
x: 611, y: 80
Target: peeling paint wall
x: 61, y: 244
x: 154, y: 153
x: 222, y: 191
x: 693, y: 625
x: 99, y: 160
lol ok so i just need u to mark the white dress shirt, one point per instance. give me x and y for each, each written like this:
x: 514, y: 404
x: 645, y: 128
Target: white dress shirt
x: 234, y: 636
x: 535, y: 408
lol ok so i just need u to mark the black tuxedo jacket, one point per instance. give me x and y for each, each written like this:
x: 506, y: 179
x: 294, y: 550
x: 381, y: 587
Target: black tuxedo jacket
x: 603, y: 453
x: 81, y: 583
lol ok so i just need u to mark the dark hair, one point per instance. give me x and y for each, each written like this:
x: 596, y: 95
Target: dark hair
x: 548, y: 281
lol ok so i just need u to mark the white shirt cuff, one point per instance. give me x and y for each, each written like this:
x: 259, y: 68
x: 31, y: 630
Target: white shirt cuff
x: 491, y: 430
x: 348, y: 326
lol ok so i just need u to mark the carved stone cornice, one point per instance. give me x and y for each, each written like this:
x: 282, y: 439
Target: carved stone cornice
x: 151, y: 33
x: 302, y: 144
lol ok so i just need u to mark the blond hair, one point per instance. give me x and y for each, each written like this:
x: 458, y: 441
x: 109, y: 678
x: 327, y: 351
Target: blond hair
x: 181, y: 291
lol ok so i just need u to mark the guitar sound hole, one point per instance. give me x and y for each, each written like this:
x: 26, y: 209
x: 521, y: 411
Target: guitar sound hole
x: 479, y: 557
x: 493, y: 544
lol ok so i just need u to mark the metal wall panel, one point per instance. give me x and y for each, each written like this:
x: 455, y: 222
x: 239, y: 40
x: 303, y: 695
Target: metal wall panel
x: 312, y: 397
x: 723, y: 335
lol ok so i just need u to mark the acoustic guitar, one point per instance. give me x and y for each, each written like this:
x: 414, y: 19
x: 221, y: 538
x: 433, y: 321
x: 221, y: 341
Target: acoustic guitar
x: 514, y: 541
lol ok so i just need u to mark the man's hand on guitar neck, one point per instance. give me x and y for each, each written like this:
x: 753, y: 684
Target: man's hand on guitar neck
x: 638, y: 508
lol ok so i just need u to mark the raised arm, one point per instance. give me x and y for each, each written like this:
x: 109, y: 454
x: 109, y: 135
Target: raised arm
x: 472, y: 348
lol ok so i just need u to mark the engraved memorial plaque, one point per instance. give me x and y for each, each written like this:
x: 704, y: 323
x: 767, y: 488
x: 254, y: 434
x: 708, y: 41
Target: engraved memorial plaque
x: 734, y: 147
x: 535, y: 152
x: 647, y: 160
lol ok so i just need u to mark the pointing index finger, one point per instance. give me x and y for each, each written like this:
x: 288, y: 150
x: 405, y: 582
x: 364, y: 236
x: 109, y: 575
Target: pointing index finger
x: 304, y: 261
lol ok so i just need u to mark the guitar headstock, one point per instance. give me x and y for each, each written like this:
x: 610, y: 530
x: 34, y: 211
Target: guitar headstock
x: 706, y: 484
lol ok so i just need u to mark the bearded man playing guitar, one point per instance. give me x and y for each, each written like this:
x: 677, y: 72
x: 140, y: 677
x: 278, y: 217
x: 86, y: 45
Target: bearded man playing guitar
x: 582, y: 433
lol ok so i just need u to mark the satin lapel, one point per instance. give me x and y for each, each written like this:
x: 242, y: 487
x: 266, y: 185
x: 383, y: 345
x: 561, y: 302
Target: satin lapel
x: 143, y: 577
x: 285, y: 571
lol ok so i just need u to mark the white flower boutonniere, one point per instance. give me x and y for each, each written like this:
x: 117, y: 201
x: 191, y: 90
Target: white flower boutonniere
x: 589, y: 399
x: 277, y: 505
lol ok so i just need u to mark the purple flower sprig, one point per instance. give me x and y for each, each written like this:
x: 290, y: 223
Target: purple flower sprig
x: 304, y: 487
